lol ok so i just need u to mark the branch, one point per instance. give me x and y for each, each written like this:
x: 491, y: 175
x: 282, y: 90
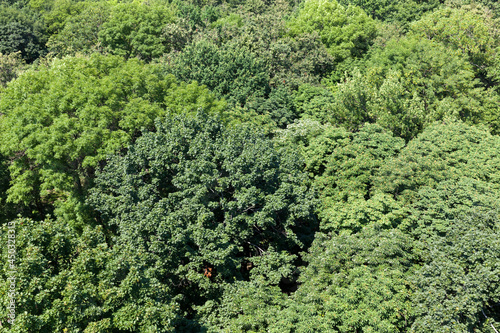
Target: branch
x: 261, y: 251
x: 249, y: 208
x: 484, y: 314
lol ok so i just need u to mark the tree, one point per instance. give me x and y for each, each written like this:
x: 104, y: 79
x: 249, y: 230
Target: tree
x: 67, y: 281
x: 136, y: 30
x: 458, y: 288
x: 436, y: 209
x: 56, y: 13
x: 402, y: 12
x: 346, y: 32
x: 249, y: 60
x: 81, y: 33
x: 8, y: 210
x: 197, y: 17
x: 346, y: 185
x: 248, y: 306
x: 358, y: 282
x: 444, y: 151
x: 411, y: 83
x: 344, y: 167
x: 278, y: 106
x: 469, y: 29
x: 21, y: 30
x: 10, y: 66
x: 492, y: 5
x: 61, y: 121
x: 314, y: 102
x: 231, y: 71
x: 203, y: 202
x: 290, y: 61
x: 352, y: 282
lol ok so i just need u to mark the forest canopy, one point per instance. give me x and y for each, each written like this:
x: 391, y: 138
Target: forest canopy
x: 249, y: 166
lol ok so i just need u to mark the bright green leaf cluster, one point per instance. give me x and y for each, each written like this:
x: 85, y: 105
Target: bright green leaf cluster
x: 60, y: 121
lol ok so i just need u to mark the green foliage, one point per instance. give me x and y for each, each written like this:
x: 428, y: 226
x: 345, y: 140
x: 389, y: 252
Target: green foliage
x: 346, y: 32
x: 345, y: 167
x: 61, y: 121
x: 436, y: 208
x: 21, y: 30
x: 247, y: 307
x: 229, y: 20
x: 256, y: 307
x: 469, y: 29
x: 127, y: 29
x: 147, y: 31
x: 135, y: 29
x: 207, y: 196
x: 8, y: 211
x: 313, y: 140
x: 197, y: 17
x: 251, y: 166
x: 359, y: 282
x: 177, y: 35
x: 491, y: 5
x: 381, y: 10
x: 402, y: 12
x: 231, y: 71
x: 67, y: 282
x: 56, y: 13
x: 314, y: 102
x: 81, y: 33
x: 278, y: 106
x: 42, y: 252
x: 355, y: 160
x: 247, y: 59
x: 458, y: 289
x: 444, y: 151
x: 291, y: 61
x: 345, y: 186
x: 299, y: 60
x: 10, y: 66
x: 411, y: 83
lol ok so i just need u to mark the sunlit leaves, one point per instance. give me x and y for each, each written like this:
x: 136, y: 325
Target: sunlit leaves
x: 60, y: 121
x: 345, y: 31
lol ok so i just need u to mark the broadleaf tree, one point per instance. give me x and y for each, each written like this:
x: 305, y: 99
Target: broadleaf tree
x: 212, y: 201
x: 60, y: 121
